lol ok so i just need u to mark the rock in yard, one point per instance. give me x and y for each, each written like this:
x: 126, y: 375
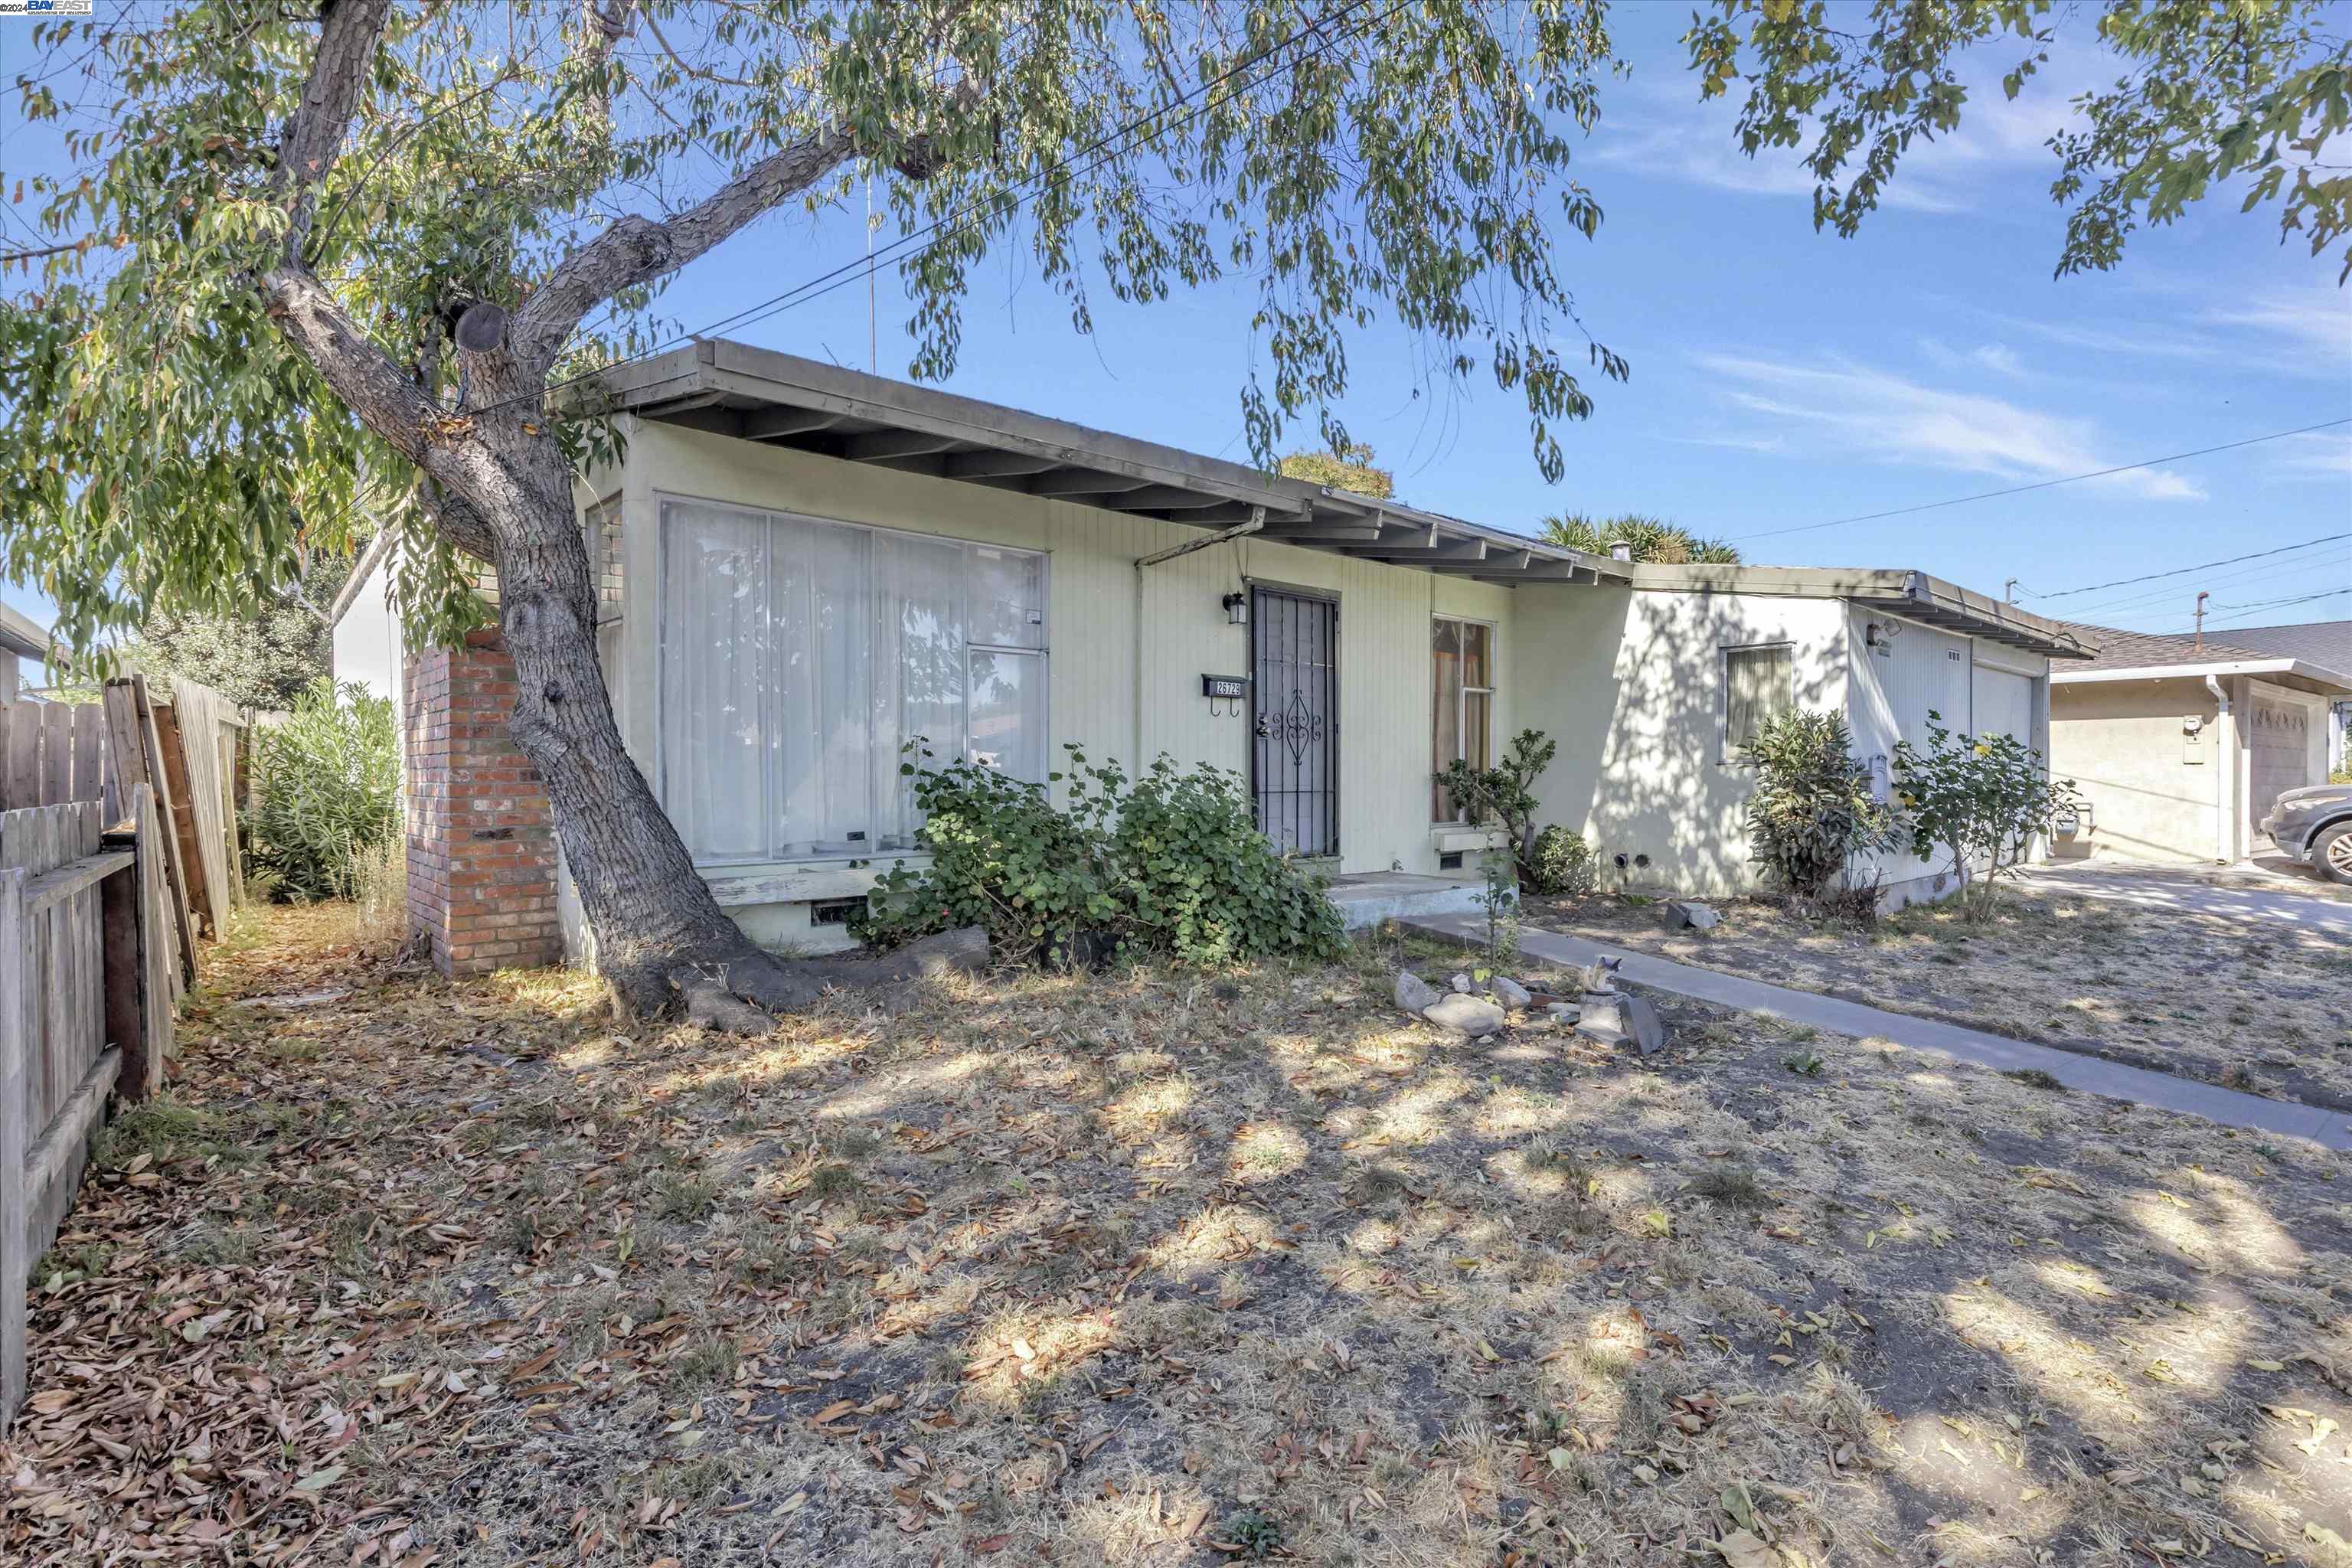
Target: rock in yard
x: 1602, y: 1018
x: 1510, y: 993
x: 1563, y: 1012
x: 1413, y: 993
x: 1464, y: 1014
x: 1462, y: 985
x: 1689, y: 913
x: 1642, y: 1023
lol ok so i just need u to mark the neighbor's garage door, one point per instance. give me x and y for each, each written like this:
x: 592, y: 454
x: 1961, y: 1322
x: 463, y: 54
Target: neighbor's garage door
x: 2278, y: 744
x: 2003, y: 703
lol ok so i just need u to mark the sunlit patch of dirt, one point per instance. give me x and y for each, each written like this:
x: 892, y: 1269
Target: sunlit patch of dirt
x: 1152, y: 1267
x: 2254, y: 1007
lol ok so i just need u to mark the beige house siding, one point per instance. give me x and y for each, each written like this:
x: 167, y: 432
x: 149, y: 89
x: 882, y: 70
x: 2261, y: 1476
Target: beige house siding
x: 2153, y: 790
x: 1126, y: 647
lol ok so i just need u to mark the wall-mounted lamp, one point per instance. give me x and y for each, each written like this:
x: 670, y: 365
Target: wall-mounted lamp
x: 1879, y: 637
x: 1236, y: 609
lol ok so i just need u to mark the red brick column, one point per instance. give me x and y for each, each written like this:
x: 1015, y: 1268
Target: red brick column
x: 481, y: 846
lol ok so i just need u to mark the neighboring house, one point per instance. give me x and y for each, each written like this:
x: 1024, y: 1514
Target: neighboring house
x: 2328, y: 645
x: 805, y: 568
x: 24, y: 650
x: 366, y: 637
x: 2181, y: 749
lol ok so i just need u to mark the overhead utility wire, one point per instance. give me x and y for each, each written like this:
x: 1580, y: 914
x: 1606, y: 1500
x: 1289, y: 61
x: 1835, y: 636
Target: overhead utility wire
x: 2045, y: 484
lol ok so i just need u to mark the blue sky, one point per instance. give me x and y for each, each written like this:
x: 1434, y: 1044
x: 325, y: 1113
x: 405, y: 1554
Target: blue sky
x: 1780, y: 377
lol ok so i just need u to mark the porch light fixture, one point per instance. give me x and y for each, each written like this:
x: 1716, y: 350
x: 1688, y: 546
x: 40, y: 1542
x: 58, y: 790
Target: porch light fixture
x: 1236, y: 609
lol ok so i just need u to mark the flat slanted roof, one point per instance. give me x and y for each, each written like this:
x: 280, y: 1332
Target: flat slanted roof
x: 1914, y: 596
x: 783, y: 400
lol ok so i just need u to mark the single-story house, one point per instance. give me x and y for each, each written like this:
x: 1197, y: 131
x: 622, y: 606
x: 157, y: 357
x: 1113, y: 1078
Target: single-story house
x: 24, y: 651
x: 803, y: 568
x: 2181, y: 745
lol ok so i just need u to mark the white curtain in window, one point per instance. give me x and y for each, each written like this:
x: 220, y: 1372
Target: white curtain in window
x: 1761, y: 682
x: 798, y: 657
x: 716, y: 723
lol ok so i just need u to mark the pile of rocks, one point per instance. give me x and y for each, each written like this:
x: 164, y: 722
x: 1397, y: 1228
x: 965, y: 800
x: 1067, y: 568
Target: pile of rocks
x: 1478, y: 1008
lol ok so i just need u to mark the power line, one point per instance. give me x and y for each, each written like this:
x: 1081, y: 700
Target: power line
x: 2287, y: 568
x: 2239, y: 620
x: 824, y: 282
x: 2206, y: 566
x: 2045, y: 484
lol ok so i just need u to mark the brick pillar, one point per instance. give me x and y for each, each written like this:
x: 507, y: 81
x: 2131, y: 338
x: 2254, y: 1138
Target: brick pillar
x: 481, y: 846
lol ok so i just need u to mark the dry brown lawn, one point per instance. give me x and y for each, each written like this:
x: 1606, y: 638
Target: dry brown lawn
x: 1156, y: 1267
x: 2264, y: 1009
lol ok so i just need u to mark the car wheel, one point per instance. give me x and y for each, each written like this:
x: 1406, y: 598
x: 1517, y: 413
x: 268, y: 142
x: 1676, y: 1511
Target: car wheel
x: 2332, y: 855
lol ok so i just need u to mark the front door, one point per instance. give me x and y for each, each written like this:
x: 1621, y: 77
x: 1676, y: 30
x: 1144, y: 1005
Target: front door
x: 1295, y: 761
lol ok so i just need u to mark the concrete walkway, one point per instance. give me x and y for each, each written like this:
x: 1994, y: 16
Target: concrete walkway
x: 2187, y: 891
x: 2089, y: 1074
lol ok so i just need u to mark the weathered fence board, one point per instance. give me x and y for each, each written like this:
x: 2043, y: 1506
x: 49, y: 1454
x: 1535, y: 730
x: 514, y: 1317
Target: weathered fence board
x: 51, y: 752
x: 206, y: 720
x: 57, y: 1064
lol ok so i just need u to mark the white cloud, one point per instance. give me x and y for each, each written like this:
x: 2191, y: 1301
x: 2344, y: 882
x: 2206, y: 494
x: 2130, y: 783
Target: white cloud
x: 1999, y: 358
x: 2321, y: 323
x: 2323, y: 454
x: 1838, y: 408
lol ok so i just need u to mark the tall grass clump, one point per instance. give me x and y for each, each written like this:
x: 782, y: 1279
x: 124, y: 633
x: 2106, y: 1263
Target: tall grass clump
x: 380, y: 889
x: 328, y: 779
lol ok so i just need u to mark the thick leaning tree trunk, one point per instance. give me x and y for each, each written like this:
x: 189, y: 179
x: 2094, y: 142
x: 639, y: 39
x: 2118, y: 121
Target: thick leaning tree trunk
x: 500, y: 489
x: 662, y: 939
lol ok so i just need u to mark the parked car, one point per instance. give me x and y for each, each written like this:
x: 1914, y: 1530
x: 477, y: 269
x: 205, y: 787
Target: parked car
x: 2315, y: 826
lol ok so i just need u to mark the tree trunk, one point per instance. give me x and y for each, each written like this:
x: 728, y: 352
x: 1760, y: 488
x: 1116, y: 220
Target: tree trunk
x: 662, y: 939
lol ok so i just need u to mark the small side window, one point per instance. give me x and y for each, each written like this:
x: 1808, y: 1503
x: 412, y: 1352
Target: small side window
x: 1758, y: 683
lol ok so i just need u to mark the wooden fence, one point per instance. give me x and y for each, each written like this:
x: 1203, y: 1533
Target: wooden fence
x: 87, y: 1000
x: 51, y: 752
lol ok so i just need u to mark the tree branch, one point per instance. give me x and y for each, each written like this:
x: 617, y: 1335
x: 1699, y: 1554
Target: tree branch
x: 348, y: 32
x: 637, y: 250
x: 388, y: 402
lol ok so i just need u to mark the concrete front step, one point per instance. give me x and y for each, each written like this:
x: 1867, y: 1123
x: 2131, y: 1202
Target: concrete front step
x: 1368, y: 898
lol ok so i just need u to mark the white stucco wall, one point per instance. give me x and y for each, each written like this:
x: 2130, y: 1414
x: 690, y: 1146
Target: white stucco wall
x: 1125, y: 647
x: 1631, y: 686
x: 367, y: 640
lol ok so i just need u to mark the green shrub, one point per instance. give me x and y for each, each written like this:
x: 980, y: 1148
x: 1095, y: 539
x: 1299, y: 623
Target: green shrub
x: 1560, y: 863
x: 329, y: 778
x: 1170, y: 862
x: 1984, y: 799
x: 1814, y: 809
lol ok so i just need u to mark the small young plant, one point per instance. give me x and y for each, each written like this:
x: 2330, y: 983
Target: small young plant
x: 1252, y: 1531
x: 1805, y: 1064
x: 1500, y: 900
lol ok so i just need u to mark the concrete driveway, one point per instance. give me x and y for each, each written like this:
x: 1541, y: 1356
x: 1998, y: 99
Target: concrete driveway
x: 2263, y: 892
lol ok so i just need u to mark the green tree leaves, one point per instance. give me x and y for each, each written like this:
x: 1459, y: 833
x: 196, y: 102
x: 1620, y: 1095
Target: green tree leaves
x: 2250, y: 89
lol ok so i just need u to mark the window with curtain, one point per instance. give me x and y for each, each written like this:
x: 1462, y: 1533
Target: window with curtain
x: 1758, y: 683
x: 798, y: 657
x: 1462, y: 705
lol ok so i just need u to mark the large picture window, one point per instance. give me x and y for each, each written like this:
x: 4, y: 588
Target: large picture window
x: 1462, y: 710
x: 798, y: 656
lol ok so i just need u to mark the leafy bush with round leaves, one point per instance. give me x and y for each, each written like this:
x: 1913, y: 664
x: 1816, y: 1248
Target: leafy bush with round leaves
x: 1170, y: 862
x: 1561, y: 862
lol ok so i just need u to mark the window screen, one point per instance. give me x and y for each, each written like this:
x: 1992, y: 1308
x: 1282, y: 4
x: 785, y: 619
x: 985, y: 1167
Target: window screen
x: 797, y: 658
x: 1758, y: 682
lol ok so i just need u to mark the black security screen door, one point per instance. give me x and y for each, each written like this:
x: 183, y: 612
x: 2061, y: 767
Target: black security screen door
x: 1294, y: 764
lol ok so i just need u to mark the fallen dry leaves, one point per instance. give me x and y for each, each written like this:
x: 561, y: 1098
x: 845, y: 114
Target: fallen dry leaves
x: 1152, y: 1268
